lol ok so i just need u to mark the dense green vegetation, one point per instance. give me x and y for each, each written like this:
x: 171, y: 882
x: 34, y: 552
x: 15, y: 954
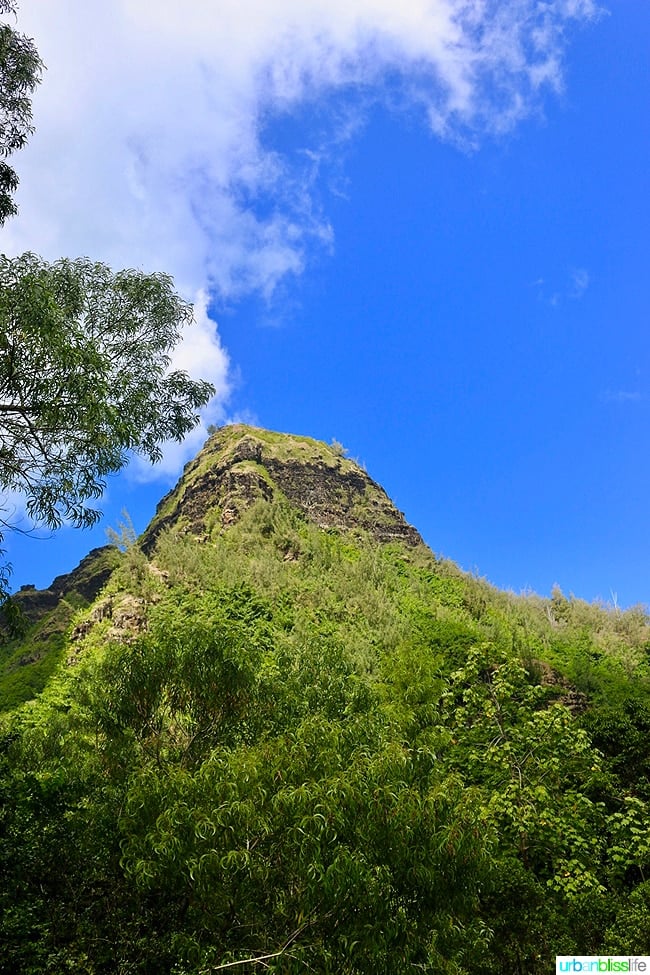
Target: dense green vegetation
x: 29, y: 659
x: 309, y: 752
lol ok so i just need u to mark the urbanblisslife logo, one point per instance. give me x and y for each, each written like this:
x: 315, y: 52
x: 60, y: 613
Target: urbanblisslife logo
x: 602, y: 963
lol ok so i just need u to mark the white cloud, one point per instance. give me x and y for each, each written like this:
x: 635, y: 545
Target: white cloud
x: 622, y: 396
x: 175, y: 455
x: 580, y: 281
x: 200, y: 354
x: 13, y: 512
x: 149, y: 149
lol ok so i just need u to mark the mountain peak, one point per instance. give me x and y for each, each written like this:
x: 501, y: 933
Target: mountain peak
x: 241, y: 464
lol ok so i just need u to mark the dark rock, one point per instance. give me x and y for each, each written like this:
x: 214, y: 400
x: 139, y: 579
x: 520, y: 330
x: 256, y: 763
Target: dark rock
x: 331, y: 492
x: 89, y: 577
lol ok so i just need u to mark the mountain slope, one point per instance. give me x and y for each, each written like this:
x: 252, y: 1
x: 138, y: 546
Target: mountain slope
x: 286, y: 736
x: 28, y: 661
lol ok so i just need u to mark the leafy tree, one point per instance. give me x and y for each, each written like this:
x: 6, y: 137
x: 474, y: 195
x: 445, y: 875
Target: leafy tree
x: 20, y: 72
x: 84, y: 380
x: 84, y: 352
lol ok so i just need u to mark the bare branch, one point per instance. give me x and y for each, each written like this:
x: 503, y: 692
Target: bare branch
x: 261, y: 959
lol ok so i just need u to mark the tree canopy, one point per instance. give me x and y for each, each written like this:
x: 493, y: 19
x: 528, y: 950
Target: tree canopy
x: 85, y: 380
x: 20, y: 72
x: 84, y: 351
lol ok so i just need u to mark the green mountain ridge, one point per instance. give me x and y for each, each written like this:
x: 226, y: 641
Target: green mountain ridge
x: 241, y: 464
x: 277, y: 732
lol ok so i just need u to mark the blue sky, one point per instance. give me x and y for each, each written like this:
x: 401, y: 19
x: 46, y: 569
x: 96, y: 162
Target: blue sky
x: 423, y: 232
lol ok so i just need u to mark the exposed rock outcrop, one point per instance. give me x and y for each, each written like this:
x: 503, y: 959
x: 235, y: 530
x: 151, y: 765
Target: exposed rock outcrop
x: 89, y: 577
x: 240, y: 465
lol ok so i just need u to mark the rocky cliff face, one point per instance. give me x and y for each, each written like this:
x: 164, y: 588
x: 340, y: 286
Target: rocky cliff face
x: 238, y: 466
x: 84, y: 582
x: 241, y: 464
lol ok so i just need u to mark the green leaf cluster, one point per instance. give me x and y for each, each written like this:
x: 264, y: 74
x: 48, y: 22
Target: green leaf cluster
x: 350, y: 760
x: 20, y: 72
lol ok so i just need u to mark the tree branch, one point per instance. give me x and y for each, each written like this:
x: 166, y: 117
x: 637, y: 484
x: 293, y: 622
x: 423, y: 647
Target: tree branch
x: 260, y: 959
x: 14, y: 408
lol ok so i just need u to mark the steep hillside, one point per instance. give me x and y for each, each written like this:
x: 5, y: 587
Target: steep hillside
x: 241, y: 464
x: 284, y: 736
x: 44, y: 616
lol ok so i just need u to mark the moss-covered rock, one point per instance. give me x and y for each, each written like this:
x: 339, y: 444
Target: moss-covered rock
x: 240, y: 465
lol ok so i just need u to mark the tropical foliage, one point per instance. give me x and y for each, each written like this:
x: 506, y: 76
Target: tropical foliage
x: 354, y: 759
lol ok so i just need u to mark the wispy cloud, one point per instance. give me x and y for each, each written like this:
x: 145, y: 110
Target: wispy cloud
x: 622, y: 396
x: 150, y: 148
x: 13, y: 511
x: 573, y: 289
x: 580, y: 282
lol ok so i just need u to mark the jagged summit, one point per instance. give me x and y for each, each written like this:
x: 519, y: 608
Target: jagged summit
x: 240, y: 464
x: 237, y: 466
